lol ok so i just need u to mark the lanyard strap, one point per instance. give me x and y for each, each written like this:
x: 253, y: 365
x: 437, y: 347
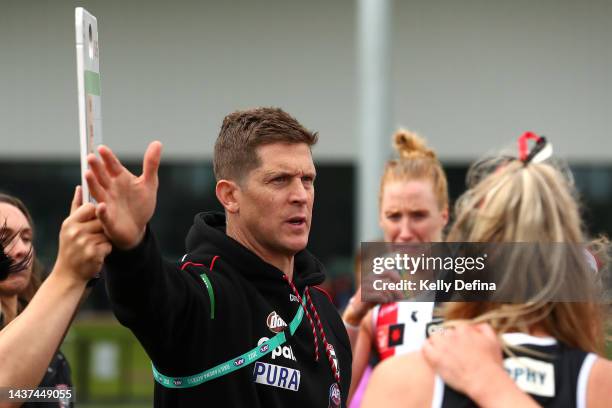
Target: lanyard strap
x: 233, y: 364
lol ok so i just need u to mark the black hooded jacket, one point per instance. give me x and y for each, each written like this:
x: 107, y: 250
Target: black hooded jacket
x: 185, y: 330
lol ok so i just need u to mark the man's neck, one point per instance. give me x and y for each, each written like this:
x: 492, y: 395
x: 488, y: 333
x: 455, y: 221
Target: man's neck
x: 280, y: 261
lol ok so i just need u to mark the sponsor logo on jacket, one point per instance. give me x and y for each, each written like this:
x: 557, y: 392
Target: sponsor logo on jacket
x: 334, y: 396
x: 275, y: 323
x: 280, y: 351
x: 276, y: 376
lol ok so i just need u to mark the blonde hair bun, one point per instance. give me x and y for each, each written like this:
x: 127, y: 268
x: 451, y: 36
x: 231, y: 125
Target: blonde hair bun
x: 410, y: 145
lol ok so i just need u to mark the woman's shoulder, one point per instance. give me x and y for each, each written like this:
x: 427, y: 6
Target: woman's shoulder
x: 599, y: 387
x: 405, y: 380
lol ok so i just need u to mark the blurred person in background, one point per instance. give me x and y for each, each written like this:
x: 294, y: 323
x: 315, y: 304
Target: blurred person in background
x: 553, y: 350
x: 35, y: 317
x: 413, y: 202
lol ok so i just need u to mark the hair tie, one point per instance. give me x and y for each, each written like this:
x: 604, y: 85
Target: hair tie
x: 541, y: 148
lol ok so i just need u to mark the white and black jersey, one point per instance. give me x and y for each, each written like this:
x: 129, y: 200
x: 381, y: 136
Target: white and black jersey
x: 556, y: 376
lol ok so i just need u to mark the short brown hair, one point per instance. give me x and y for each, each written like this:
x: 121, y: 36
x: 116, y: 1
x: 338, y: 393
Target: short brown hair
x: 243, y: 131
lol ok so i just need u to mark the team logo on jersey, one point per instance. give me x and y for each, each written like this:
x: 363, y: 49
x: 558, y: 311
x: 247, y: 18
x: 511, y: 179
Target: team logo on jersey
x: 276, y: 376
x: 280, y: 351
x: 396, y: 334
x: 334, y: 396
x: 532, y: 376
x: 275, y: 323
x: 434, y: 326
x: 332, y: 353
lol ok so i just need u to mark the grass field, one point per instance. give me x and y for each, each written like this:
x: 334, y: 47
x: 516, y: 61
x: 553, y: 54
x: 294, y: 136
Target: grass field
x: 108, y: 364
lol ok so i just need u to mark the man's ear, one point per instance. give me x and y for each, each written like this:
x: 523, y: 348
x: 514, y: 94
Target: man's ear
x: 228, y: 194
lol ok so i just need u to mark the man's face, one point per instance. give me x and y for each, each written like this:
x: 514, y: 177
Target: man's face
x: 275, y: 199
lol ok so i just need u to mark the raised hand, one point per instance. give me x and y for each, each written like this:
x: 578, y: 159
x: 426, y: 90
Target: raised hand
x: 125, y: 202
x: 83, y: 245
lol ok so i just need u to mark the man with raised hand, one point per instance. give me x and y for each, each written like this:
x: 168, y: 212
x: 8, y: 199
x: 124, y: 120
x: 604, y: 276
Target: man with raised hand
x: 240, y: 321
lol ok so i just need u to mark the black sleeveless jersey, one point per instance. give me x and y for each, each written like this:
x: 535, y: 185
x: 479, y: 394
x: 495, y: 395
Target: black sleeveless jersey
x: 556, y: 379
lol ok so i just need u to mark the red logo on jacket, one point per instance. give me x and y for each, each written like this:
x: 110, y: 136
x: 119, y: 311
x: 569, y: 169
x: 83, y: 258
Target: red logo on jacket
x: 275, y: 323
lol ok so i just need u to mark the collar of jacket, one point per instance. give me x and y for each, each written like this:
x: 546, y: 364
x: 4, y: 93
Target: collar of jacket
x: 207, y: 237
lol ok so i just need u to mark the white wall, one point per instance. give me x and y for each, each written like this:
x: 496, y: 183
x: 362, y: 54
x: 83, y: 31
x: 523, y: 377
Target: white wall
x: 474, y: 74
x: 470, y: 75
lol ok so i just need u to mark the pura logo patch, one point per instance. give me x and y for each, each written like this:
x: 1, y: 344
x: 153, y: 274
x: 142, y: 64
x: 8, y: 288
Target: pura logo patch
x: 275, y: 323
x: 276, y: 376
x: 532, y: 376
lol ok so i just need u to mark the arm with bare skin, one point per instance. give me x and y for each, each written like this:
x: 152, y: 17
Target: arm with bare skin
x: 361, y: 352
x: 29, y: 342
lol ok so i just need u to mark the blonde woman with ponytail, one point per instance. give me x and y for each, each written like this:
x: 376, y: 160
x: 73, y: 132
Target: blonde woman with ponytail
x: 552, y: 349
x: 413, y: 202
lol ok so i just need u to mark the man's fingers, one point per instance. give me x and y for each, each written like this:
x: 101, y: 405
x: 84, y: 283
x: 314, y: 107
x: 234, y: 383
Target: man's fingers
x: 151, y: 161
x: 99, y: 170
x: 113, y: 165
x: 107, y: 221
x: 96, y: 190
x: 102, y: 214
x: 77, y: 199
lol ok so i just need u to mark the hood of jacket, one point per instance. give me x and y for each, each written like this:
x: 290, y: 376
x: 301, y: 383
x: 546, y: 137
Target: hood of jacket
x: 207, y: 237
